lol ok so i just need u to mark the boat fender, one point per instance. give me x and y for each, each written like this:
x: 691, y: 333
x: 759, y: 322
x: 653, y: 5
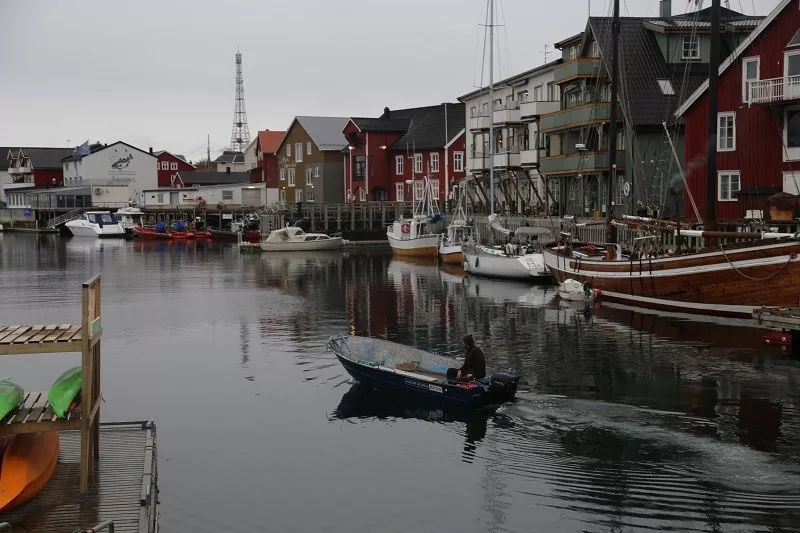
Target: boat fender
x: 405, y: 227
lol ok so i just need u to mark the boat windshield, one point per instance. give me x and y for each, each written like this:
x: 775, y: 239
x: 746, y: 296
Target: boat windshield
x: 104, y: 218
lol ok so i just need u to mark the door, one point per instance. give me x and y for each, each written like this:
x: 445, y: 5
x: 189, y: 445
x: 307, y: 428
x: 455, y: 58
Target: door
x: 251, y: 197
x: 173, y: 198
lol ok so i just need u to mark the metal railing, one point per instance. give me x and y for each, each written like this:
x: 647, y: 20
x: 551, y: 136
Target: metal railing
x: 773, y: 90
x: 67, y: 217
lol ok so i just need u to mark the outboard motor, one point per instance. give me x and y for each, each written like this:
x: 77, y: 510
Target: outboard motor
x: 503, y: 386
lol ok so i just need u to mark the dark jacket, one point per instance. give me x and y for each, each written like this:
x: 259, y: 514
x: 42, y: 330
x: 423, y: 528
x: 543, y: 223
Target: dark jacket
x: 474, y: 363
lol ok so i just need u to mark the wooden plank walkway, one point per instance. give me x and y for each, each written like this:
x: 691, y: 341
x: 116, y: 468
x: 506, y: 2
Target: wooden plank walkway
x: 123, y: 487
x: 40, y: 338
x: 34, y: 415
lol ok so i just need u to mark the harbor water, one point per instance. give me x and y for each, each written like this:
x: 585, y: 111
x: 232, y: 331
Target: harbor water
x: 629, y: 421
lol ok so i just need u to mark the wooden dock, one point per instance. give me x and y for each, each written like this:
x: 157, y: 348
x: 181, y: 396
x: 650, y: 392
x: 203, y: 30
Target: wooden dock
x: 123, y: 488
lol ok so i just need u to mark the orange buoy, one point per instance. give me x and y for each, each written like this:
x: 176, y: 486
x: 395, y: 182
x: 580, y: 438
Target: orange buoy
x: 28, y: 463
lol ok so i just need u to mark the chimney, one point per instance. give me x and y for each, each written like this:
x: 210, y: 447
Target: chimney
x: 665, y: 8
x: 151, y: 150
x: 387, y: 112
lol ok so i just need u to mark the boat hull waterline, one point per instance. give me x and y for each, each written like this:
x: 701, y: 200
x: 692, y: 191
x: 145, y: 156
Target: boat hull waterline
x: 451, y: 254
x: 424, y: 246
x: 724, y: 282
x: 526, y: 267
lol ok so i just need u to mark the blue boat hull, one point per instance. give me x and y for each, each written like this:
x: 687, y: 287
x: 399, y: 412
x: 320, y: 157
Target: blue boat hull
x: 443, y: 392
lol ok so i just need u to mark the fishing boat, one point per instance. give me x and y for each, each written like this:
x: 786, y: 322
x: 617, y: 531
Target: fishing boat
x: 520, y: 258
x: 95, y: 224
x: 459, y: 232
x: 128, y: 218
x: 294, y: 239
x: 725, y: 280
x: 390, y: 366
x: 28, y: 463
x: 419, y: 235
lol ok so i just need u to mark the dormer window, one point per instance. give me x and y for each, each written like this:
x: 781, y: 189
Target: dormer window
x: 690, y: 51
x: 795, y: 40
x: 573, y: 53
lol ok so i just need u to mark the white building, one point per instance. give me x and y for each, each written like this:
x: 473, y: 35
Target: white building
x: 117, y: 173
x: 519, y: 101
x: 232, y: 195
x: 231, y: 161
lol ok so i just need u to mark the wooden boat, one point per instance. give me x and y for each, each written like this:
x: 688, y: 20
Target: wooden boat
x: 150, y: 233
x: 28, y: 463
x: 418, y: 236
x: 387, y: 365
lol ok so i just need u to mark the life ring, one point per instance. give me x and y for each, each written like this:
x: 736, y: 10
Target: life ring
x: 405, y: 227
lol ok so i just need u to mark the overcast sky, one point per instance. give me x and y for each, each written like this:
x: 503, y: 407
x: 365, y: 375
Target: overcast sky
x: 161, y: 73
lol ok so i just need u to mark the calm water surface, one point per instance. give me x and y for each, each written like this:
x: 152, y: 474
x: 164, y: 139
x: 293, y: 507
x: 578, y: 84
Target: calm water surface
x: 632, y: 421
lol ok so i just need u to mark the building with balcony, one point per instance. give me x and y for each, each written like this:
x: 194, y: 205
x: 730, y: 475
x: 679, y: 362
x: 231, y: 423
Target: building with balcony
x: 662, y: 59
x: 519, y: 101
x: 758, y: 122
x: 24, y: 168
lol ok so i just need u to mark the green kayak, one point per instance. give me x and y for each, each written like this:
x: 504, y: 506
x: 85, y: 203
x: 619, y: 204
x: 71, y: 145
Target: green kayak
x: 64, y: 391
x: 10, y: 396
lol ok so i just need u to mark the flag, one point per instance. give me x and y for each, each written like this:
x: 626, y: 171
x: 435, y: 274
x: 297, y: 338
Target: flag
x: 81, y: 150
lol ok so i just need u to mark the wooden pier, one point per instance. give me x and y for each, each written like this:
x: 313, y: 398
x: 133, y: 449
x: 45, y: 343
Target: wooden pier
x: 123, y: 488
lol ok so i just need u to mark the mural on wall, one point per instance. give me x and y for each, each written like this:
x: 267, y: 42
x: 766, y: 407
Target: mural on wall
x: 119, y: 162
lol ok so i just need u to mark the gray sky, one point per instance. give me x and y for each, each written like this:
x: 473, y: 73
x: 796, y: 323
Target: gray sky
x: 161, y: 73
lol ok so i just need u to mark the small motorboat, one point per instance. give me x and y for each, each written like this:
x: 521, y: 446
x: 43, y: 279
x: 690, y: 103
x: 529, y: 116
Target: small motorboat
x: 575, y: 291
x: 130, y: 217
x: 28, y: 462
x: 294, y: 239
x: 156, y: 232
x: 387, y: 365
x: 95, y: 224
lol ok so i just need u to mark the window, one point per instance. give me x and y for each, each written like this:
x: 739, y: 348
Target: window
x: 160, y: 197
x: 573, y: 52
x: 522, y: 96
x: 791, y: 134
x: 310, y: 194
x: 290, y: 176
x: 552, y: 92
x: 435, y: 189
x: 308, y: 147
x: 308, y: 175
x: 288, y: 150
x: 298, y: 194
x: 298, y: 152
x: 362, y: 195
x: 729, y: 182
x: 419, y: 190
x: 316, y: 171
x: 173, y: 166
x: 620, y: 140
x: 595, y: 49
x: 458, y: 161
x: 726, y: 132
x: 283, y: 174
x: 417, y: 163
x: 795, y: 40
x: 666, y: 87
x: 398, y: 165
x: 537, y: 93
x: 165, y: 165
x: 509, y: 99
x: 399, y: 192
x: 473, y: 111
x: 282, y: 195
x: 751, y: 71
x: 690, y: 50
x: 434, y: 162
x: 361, y: 166
x: 227, y: 195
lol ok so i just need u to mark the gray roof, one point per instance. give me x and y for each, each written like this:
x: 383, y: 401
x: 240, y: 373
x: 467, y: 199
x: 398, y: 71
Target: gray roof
x: 326, y: 132
x: 427, y: 129
x: 40, y: 157
x: 642, y: 65
x: 230, y: 156
x: 381, y: 124
x: 214, y: 178
x: 515, y: 78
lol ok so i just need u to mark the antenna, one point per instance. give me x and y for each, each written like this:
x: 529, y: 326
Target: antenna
x: 240, y: 136
x: 208, y: 147
x: 546, y: 53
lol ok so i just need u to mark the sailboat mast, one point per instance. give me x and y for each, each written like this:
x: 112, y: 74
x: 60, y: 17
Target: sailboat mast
x: 713, y: 83
x: 491, y: 106
x: 612, y: 127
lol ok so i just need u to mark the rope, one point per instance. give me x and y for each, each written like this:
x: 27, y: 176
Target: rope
x: 751, y: 278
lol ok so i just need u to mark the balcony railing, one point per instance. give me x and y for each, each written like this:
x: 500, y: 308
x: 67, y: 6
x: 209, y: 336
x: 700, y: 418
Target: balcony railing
x: 579, y: 162
x: 529, y: 157
x: 533, y: 109
x: 587, y: 67
x: 774, y: 90
x: 505, y: 113
x: 593, y: 113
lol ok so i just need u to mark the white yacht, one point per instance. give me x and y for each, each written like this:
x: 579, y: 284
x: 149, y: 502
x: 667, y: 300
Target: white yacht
x: 129, y: 217
x: 95, y: 224
x: 521, y: 258
x: 295, y: 239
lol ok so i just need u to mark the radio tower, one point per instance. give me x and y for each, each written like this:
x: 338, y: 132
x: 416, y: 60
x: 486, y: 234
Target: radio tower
x: 240, y: 136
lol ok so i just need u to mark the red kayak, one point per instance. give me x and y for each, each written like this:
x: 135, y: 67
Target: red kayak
x: 149, y: 233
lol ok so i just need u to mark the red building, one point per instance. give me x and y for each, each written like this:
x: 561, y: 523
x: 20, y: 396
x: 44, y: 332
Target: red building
x: 758, y: 121
x: 401, y: 145
x: 39, y: 167
x: 169, y: 165
x: 266, y: 169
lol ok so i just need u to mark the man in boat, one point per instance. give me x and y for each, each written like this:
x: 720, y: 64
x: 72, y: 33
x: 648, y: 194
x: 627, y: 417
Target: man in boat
x: 474, y: 366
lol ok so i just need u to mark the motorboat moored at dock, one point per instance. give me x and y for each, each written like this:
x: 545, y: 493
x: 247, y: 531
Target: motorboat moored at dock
x: 128, y: 218
x: 95, y: 224
x: 294, y: 239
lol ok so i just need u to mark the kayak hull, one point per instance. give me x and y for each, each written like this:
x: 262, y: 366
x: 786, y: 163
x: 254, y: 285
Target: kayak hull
x: 28, y: 463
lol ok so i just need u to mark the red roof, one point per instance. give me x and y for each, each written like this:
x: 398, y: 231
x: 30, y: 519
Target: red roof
x: 270, y: 140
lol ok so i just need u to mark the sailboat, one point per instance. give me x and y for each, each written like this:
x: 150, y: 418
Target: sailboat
x: 725, y: 280
x: 459, y: 232
x: 418, y: 236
